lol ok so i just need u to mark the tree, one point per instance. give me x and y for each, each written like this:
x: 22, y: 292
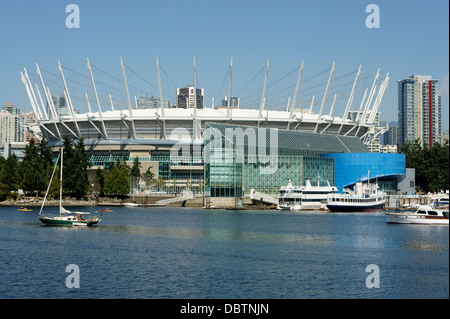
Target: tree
x: 75, y: 165
x: 9, y: 174
x: 148, y: 176
x: 99, y: 181
x: 32, y: 170
x: 117, y: 180
x: 135, y: 173
x: 431, y: 165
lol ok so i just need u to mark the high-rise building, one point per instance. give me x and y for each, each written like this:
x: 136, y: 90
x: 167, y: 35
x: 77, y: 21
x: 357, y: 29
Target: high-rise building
x: 186, y: 97
x: 150, y: 102
x: 390, y: 137
x: 11, y: 124
x: 61, y: 107
x: 419, y: 111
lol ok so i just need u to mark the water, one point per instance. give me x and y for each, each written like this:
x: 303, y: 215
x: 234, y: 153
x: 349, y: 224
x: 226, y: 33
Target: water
x: 169, y: 253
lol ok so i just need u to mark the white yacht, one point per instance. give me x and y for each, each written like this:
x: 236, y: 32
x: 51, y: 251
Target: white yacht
x: 312, y: 196
x: 434, y: 214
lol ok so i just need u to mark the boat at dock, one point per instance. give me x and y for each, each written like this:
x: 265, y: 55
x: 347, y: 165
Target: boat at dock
x: 434, y: 214
x: 312, y: 196
x: 364, y: 198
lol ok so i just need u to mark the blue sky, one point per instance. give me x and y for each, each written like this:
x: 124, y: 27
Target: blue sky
x: 412, y: 39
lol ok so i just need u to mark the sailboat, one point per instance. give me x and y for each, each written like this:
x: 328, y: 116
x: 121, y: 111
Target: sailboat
x: 65, y: 217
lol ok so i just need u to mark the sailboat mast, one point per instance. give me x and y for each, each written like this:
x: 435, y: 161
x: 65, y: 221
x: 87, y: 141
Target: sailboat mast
x: 48, y: 187
x: 60, y: 182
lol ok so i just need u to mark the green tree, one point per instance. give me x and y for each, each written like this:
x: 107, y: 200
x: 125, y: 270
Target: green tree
x: 135, y: 173
x: 117, y: 179
x: 99, y: 181
x: 148, y: 176
x: 75, y: 165
x: 32, y: 170
x: 431, y: 165
x: 9, y: 173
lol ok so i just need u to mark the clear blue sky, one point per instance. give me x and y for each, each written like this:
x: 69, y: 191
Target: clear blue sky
x: 412, y: 39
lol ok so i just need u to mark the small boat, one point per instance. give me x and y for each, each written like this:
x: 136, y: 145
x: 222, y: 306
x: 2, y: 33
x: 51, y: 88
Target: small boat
x: 434, y: 214
x: 425, y: 215
x: 364, y: 198
x: 24, y: 209
x: 107, y: 210
x: 312, y: 196
x: 65, y: 217
x: 130, y: 205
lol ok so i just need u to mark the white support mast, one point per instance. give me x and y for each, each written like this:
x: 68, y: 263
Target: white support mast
x: 33, y: 96
x: 30, y: 96
x: 88, y: 103
x: 100, y: 114
x: 312, y: 104
x: 97, y: 101
x: 352, y: 94
x: 53, y: 112
x: 126, y: 87
x: 261, y: 106
x: 69, y: 100
x: 111, y: 101
x: 53, y: 106
x: 332, y: 105
x: 195, y: 91
x: 378, y: 99
x: 295, y: 94
x: 229, y: 89
x: 324, y: 98
x: 161, y: 103
x: 362, y: 119
x: 42, y: 102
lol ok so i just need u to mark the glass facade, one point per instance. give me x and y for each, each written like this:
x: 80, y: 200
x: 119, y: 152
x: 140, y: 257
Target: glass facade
x: 239, y: 158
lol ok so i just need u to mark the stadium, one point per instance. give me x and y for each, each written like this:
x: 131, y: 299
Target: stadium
x: 136, y: 125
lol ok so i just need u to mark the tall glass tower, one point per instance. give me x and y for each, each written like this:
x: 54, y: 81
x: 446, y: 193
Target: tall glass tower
x: 419, y: 111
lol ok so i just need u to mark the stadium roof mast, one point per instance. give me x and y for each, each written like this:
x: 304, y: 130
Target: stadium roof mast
x: 261, y: 107
x: 362, y: 117
x: 31, y: 95
x: 229, y: 112
x: 161, y: 104
x: 33, y: 105
x: 69, y: 100
x: 133, y: 129
x: 47, y: 96
x: 105, y: 133
x: 324, y: 97
x: 350, y: 99
x: 295, y: 94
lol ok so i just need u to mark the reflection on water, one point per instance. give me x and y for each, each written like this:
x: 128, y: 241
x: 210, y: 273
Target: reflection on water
x: 219, y: 234
x: 196, y: 253
x: 416, y: 245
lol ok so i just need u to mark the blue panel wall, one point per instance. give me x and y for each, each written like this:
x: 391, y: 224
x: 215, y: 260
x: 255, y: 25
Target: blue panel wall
x: 350, y: 168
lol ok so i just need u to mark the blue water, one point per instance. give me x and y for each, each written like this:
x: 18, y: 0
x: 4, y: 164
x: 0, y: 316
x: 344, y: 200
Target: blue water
x: 168, y: 253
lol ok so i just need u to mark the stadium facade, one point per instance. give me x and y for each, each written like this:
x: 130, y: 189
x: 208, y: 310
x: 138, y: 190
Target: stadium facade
x: 152, y: 134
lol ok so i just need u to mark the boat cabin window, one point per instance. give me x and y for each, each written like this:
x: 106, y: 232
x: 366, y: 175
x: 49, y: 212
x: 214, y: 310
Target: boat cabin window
x: 445, y: 214
x: 421, y: 212
x: 432, y: 213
